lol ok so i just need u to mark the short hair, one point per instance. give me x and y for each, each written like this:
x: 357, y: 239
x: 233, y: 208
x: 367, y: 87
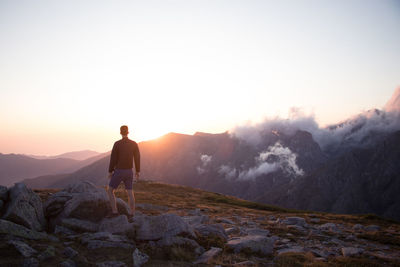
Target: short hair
x: 124, y: 130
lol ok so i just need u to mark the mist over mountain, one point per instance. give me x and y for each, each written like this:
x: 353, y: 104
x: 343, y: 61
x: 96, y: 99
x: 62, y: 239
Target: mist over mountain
x: 349, y: 167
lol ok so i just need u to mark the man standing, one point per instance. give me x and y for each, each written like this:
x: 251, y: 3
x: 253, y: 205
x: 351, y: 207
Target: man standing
x: 123, y: 153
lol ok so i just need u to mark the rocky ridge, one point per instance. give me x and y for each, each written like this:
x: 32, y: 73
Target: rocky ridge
x: 69, y: 229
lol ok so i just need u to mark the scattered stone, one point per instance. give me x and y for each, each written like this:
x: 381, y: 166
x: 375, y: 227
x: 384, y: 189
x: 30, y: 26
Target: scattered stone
x: 25, y: 208
x: 297, y: 228
x: 255, y: 243
x: 350, y: 238
x: 207, y: 256
x: 24, y: 249
x: 358, y: 227
x: 157, y: 227
x: 10, y: 228
x: 216, y: 230
x: 180, y: 241
x: 105, y: 236
x: 295, y: 249
x: 225, y: 220
x: 50, y: 252
x: 112, y: 264
x: 271, y: 217
x: 31, y: 262
x: 96, y: 244
x: 139, y: 258
x: 194, y: 212
x: 245, y: 264
x: 351, y: 251
x: 329, y: 227
x: 315, y: 220
x: 70, y: 252
x: 63, y: 231
x: 114, y: 225
x: 68, y: 263
x: 79, y: 225
x: 256, y: 231
x: 231, y: 230
x: 295, y: 221
x: 196, y: 219
x: 372, y: 228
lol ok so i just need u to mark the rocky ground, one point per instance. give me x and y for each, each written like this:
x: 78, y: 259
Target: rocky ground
x: 181, y: 226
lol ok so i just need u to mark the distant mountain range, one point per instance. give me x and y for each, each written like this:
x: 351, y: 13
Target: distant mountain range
x: 350, y: 167
x: 76, y: 155
x: 15, y: 168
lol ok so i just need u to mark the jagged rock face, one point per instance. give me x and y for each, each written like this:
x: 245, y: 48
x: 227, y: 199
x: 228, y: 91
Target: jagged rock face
x: 25, y: 207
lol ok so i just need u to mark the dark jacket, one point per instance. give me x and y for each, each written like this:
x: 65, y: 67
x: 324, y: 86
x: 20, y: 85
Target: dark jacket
x: 123, y: 153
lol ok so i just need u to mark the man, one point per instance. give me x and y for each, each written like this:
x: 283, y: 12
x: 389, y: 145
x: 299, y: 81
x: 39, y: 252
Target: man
x: 123, y: 153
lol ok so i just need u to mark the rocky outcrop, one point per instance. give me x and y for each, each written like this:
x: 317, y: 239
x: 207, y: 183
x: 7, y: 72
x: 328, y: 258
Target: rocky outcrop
x: 158, y: 227
x: 24, y: 207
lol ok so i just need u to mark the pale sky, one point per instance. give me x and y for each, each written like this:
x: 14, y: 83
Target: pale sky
x: 72, y: 72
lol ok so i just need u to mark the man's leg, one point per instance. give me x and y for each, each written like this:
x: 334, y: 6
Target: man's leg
x: 111, y: 197
x: 131, y: 199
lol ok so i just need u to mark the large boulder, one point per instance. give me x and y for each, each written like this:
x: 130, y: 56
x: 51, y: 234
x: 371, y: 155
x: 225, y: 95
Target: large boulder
x: 82, y: 200
x: 24, y: 207
x: 161, y: 226
x: 116, y: 225
x: 10, y: 228
x: 252, y: 243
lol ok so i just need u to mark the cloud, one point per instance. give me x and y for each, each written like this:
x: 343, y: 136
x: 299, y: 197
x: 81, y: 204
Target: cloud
x: 227, y: 171
x: 355, y: 129
x: 205, y: 161
x: 274, y: 158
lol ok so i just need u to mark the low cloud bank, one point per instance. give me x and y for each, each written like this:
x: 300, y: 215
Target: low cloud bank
x: 355, y: 129
x: 274, y: 158
x: 205, y: 160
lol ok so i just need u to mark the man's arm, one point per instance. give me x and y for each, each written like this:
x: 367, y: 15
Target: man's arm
x: 136, y: 157
x: 113, y: 159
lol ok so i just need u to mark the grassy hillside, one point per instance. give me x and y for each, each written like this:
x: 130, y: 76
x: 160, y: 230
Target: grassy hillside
x: 184, y: 201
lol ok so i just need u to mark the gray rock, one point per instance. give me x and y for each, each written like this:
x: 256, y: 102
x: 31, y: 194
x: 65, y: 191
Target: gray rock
x: 79, y: 225
x: 329, y: 227
x: 24, y: 207
x: 295, y: 249
x: 24, y: 249
x: 226, y: 220
x: 1, y: 205
x: 112, y: 264
x: 207, y: 256
x: 10, y: 228
x: 50, y: 252
x: 195, y: 212
x: 295, y: 221
x: 216, y: 230
x: 105, y: 236
x: 139, y: 258
x: 96, y: 244
x: 372, y: 228
x: 256, y: 231
x: 196, y: 219
x: 255, y: 243
x: 82, y: 200
x: 231, y: 230
x: 68, y: 263
x: 157, y: 227
x: 358, y: 227
x: 351, y: 251
x: 3, y: 193
x: 315, y: 220
x: 31, y: 262
x: 63, y: 231
x: 70, y: 252
x: 114, y: 225
x: 245, y: 264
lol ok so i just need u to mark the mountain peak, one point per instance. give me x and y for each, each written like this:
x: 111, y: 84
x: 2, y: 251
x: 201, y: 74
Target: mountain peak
x: 393, y: 105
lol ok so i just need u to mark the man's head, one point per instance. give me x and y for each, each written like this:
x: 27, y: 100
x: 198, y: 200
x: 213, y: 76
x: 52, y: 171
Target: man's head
x: 123, y: 130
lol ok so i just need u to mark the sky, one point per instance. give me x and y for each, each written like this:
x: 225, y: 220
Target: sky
x: 72, y: 72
